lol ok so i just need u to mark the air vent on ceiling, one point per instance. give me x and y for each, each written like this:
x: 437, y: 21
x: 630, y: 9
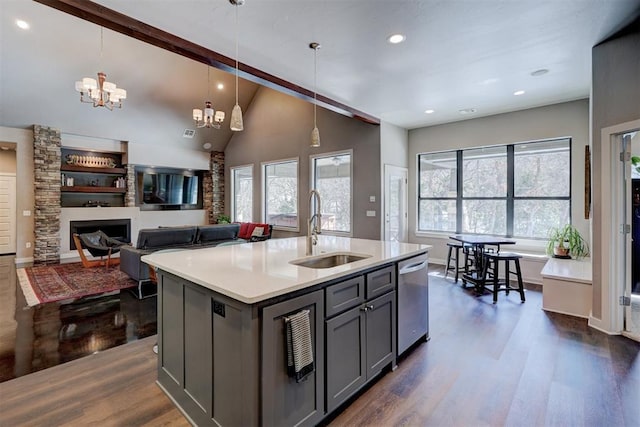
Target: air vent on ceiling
x: 188, y: 133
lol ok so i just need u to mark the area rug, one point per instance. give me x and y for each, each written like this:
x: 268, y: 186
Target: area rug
x: 48, y: 283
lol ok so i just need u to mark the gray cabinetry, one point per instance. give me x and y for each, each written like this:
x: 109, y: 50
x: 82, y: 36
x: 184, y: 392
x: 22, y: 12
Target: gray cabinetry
x: 346, y: 363
x: 381, y: 281
x: 207, y: 353
x: 360, y: 341
x: 286, y: 402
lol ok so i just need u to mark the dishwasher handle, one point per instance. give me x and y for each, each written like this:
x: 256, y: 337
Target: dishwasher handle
x: 413, y: 267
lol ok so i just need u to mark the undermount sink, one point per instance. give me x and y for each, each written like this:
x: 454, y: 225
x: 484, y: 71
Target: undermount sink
x: 329, y: 260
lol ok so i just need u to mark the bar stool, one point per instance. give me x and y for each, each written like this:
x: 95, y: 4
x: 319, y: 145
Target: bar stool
x: 492, y: 262
x: 450, y: 257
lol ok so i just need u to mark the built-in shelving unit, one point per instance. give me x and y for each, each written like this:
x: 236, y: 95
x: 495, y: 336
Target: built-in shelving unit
x: 90, y: 179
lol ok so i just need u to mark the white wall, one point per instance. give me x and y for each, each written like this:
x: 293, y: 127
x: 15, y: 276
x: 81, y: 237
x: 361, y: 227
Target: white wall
x: 139, y: 220
x: 23, y: 138
x: 394, y: 145
x: 570, y: 119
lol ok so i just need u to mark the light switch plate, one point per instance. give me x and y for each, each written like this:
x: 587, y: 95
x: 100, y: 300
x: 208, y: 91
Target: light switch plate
x: 26, y: 213
x: 371, y: 213
x: 372, y: 199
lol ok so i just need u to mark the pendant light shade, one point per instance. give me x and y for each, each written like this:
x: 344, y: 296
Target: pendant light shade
x: 315, y: 137
x: 315, y: 133
x: 236, y: 118
x: 236, y: 122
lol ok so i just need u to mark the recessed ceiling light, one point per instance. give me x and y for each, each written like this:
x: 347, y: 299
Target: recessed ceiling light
x: 518, y: 92
x: 540, y: 72
x: 489, y: 81
x: 467, y: 111
x: 429, y: 111
x: 22, y: 24
x: 396, y: 38
x: 220, y: 86
x: 206, y: 145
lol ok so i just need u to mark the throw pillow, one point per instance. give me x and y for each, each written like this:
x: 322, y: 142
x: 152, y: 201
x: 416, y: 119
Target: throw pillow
x: 244, y: 231
x: 257, y: 232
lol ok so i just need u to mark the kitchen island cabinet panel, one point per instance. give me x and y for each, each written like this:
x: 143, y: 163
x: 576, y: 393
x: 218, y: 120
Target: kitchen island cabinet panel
x: 381, y: 281
x: 208, y: 359
x: 346, y: 364
x: 172, y: 333
x: 197, y: 346
x: 286, y: 402
x: 381, y: 336
x: 344, y: 295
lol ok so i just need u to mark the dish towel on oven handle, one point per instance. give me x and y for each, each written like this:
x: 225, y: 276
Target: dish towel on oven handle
x: 299, y: 346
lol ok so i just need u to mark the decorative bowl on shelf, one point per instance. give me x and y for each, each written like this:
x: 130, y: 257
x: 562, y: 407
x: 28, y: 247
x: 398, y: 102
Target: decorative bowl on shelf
x: 90, y: 161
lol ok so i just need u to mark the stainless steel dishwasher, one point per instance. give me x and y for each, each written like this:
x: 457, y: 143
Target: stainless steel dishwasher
x: 413, y: 301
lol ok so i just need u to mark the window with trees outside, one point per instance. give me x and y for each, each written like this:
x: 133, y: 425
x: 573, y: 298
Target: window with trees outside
x: 515, y: 190
x: 242, y: 193
x: 331, y: 176
x: 280, y: 180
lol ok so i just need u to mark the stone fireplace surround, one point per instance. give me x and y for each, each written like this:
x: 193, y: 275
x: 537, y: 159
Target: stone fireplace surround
x: 52, y: 222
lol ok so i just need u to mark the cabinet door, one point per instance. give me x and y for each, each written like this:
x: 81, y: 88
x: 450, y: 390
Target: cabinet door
x: 344, y: 295
x: 381, y: 332
x: 285, y: 401
x: 346, y: 367
x: 381, y: 281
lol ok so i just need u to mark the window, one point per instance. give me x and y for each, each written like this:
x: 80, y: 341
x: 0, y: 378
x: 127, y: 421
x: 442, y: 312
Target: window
x: 542, y: 187
x: 331, y: 176
x: 516, y: 190
x: 242, y: 193
x: 438, y: 191
x: 281, y: 193
x: 484, y: 191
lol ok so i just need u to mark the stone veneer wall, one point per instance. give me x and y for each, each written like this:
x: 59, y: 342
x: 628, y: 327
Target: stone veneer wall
x: 130, y: 196
x: 213, y: 191
x: 46, y: 161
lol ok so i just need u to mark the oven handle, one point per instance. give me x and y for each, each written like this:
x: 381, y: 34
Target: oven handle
x: 413, y: 267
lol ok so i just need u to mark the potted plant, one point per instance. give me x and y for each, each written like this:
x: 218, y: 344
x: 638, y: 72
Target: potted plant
x: 566, y: 241
x: 224, y: 219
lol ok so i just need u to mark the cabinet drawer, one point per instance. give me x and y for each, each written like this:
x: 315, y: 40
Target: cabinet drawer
x: 381, y: 281
x: 344, y: 295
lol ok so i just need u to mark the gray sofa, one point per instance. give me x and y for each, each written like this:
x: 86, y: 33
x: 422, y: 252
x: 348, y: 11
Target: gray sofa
x: 154, y: 239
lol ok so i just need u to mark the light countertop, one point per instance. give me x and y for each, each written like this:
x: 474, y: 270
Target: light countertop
x: 571, y: 270
x: 254, y: 272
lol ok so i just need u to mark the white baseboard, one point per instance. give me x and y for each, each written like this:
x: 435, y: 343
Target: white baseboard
x: 597, y: 324
x: 20, y: 261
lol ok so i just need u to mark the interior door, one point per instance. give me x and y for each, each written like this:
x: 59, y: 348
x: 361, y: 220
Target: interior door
x: 7, y: 214
x: 395, y: 203
x: 630, y: 148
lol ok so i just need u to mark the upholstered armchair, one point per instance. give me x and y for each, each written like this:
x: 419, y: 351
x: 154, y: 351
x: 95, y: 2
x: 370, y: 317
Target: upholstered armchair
x: 99, y: 245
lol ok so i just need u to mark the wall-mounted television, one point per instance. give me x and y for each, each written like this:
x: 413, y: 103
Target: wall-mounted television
x: 163, y: 188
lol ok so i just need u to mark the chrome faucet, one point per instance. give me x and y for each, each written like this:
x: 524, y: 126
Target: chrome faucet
x: 314, y: 224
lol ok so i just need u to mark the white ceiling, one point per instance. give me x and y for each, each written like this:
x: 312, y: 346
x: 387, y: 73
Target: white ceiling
x: 458, y: 54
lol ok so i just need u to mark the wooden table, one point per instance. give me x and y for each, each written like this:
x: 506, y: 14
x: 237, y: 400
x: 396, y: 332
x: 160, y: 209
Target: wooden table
x: 478, y: 242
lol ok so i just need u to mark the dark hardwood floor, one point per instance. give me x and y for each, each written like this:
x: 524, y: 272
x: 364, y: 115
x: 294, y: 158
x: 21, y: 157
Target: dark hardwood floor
x: 36, y: 338
x: 485, y: 365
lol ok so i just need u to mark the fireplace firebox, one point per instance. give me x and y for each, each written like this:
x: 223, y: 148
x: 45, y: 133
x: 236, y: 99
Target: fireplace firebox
x: 117, y: 228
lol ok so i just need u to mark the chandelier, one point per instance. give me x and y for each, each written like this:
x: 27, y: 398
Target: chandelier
x: 210, y: 118
x: 100, y: 93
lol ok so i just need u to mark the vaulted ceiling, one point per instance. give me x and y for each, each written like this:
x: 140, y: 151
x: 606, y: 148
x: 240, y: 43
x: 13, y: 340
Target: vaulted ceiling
x: 458, y: 55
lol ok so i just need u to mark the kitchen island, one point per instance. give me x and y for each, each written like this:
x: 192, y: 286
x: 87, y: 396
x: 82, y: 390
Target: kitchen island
x: 222, y: 355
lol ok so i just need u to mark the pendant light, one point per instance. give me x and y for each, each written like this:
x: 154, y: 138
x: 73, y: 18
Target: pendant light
x: 315, y: 133
x: 236, y: 122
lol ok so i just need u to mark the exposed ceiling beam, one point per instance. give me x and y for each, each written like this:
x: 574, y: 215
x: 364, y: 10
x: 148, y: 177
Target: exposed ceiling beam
x: 108, y: 18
